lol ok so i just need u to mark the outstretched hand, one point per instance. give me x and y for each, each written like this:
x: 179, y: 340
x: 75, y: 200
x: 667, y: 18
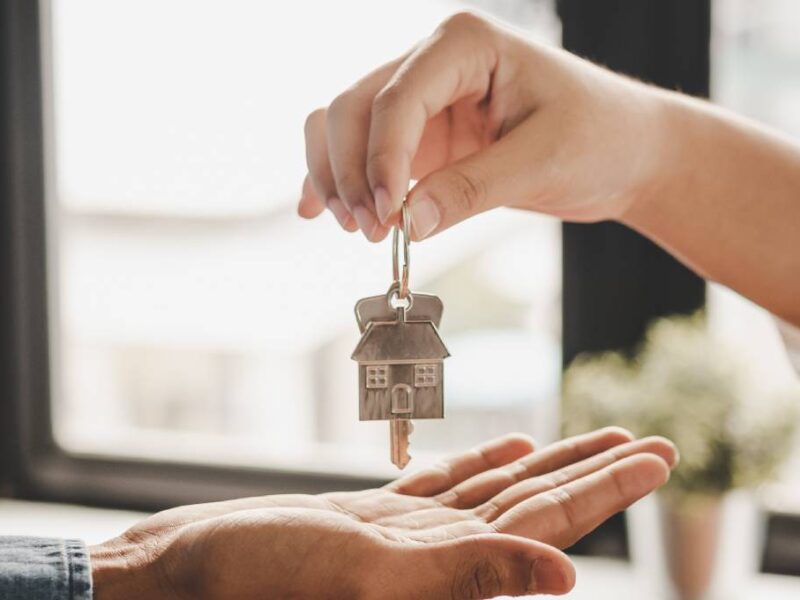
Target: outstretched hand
x: 484, y: 523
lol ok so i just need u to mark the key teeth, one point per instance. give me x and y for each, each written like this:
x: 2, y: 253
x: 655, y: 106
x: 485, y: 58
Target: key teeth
x: 410, y: 426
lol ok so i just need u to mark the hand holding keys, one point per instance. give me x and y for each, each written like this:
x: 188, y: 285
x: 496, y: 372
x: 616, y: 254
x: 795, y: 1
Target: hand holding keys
x: 400, y: 355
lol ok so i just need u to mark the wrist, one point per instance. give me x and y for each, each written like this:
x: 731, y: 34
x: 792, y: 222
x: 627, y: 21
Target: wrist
x: 123, y: 571
x: 667, y: 164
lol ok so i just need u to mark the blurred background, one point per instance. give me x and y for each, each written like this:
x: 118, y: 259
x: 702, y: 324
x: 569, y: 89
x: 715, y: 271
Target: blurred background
x: 180, y: 326
x: 192, y: 302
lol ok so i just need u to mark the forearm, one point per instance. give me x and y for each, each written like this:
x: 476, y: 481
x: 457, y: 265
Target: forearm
x: 726, y: 201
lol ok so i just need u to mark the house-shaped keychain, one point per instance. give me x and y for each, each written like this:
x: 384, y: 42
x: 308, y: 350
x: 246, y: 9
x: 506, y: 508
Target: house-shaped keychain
x: 400, y: 362
x: 400, y: 355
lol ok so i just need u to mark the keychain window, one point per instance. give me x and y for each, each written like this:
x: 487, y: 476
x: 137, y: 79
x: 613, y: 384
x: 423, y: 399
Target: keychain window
x: 425, y: 375
x: 376, y: 377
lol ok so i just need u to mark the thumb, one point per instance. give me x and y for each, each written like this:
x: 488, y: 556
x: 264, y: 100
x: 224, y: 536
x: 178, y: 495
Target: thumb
x: 498, y: 175
x: 485, y: 566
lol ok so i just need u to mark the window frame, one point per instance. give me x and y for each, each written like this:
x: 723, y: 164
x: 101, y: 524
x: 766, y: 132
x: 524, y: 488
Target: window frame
x: 34, y: 466
x: 380, y: 375
x: 423, y: 371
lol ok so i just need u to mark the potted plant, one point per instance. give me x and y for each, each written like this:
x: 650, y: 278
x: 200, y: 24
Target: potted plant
x: 685, y: 385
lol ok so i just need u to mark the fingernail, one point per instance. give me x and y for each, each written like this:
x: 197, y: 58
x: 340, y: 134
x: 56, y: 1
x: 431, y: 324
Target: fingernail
x: 547, y: 577
x: 424, y: 216
x: 383, y: 204
x: 339, y: 210
x: 366, y: 221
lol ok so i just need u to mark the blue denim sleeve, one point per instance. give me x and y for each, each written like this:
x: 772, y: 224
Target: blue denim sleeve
x: 44, y: 569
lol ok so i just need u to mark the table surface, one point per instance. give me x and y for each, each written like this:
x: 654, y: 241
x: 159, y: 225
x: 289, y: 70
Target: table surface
x: 598, y: 579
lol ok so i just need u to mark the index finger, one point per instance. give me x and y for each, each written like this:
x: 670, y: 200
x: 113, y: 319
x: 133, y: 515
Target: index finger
x: 455, y: 63
x: 452, y: 471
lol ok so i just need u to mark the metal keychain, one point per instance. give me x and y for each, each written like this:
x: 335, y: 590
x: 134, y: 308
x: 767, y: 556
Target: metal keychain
x: 401, y: 354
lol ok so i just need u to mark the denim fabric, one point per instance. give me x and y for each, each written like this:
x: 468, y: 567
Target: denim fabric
x: 44, y: 569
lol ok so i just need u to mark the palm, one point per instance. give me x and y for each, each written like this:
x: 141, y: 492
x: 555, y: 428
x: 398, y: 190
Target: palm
x: 555, y: 495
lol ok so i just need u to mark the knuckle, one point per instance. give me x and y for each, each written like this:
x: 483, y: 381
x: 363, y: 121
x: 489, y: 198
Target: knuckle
x: 619, y: 487
x: 480, y: 579
x: 469, y: 189
x: 312, y: 119
x: 378, y: 157
x: 555, y: 479
x: 517, y: 471
x: 621, y: 432
x: 352, y: 188
x: 463, y: 20
x: 381, y: 162
x: 489, y: 510
x: 388, y: 98
x: 339, y: 106
x: 565, y: 501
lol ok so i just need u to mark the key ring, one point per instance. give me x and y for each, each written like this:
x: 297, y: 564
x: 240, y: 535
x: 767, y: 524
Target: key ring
x: 395, y: 301
x: 401, y: 279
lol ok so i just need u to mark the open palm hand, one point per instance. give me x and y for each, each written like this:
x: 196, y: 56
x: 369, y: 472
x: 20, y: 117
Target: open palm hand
x: 480, y: 524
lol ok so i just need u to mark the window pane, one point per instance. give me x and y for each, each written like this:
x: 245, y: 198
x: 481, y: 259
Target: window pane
x: 195, y: 316
x: 756, y: 68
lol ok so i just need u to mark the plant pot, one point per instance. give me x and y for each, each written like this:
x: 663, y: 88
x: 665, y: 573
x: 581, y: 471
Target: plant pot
x: 691, y: 531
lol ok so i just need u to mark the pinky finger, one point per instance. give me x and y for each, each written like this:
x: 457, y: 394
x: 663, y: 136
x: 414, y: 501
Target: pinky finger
x: 310, y: 204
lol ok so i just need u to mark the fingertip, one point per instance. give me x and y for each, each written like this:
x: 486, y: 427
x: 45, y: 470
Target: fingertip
x: 520, y: 441
x: 665, y: 449
x: 367, y: 222
x: 505, y: 449
x: 652, y: 470
x: 552, y: 574
x: 308, y: 207
x: 380, y: 233
x: 570, y: 575
x: 383, y: 204
x: 425, y: 216
x: 301, y: 210
x: 388, y: 174
x: 339, y: 210
x: 677, y: 460
x: 617, y: 433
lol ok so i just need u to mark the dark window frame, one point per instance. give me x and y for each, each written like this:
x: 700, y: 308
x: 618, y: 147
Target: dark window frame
x: 33, y: 466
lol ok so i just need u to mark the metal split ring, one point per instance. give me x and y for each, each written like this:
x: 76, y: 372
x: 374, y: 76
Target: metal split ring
x: 395, y: 301
x: 400, y: 274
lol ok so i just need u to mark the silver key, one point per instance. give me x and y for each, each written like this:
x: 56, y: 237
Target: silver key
x: 400, y: 356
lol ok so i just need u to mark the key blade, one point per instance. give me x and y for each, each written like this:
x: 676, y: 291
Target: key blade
x: 399, y: 430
